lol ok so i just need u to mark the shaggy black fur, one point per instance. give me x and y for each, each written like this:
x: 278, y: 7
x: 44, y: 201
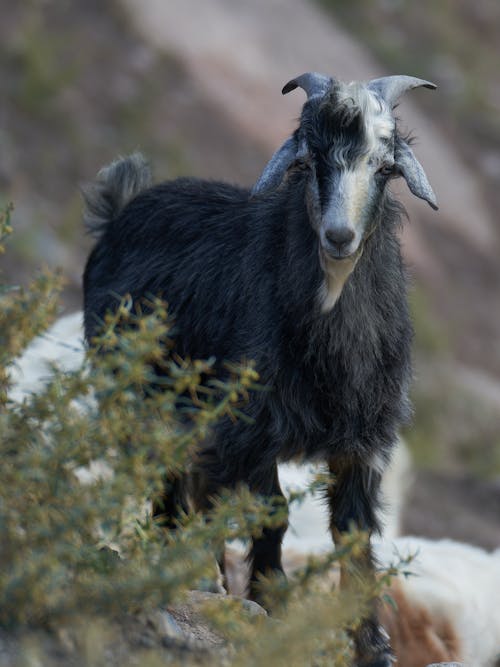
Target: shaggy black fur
x: 242, y: 276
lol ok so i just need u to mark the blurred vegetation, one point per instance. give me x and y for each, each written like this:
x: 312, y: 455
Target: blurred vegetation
x: 81, y: 460
x: 37, y: 54
x: 67, y: 109
x: 431, y: 339
x: 452, y: 428
x: 80, y: 87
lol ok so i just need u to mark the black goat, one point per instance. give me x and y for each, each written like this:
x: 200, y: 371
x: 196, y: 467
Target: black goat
x: 303, y: 274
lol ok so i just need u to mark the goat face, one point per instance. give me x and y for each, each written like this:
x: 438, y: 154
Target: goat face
x: 348, y: 143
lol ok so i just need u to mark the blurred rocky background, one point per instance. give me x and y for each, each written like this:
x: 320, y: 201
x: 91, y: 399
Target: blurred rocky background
x: 195, y: 85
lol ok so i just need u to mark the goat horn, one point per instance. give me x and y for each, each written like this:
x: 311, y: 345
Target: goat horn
x: 313, y: 83
x: 390, y: 88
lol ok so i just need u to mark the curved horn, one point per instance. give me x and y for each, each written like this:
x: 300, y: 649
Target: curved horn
x: 390, y: 88
x: 313, y: 83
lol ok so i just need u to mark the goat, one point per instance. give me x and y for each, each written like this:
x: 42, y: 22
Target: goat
x: 302, y: 274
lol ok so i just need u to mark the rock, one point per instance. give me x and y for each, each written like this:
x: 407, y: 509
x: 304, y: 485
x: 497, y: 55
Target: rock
x: 164, y: 624
x: 179, y: 627
x: 251, y: 607
x: 198, y: 598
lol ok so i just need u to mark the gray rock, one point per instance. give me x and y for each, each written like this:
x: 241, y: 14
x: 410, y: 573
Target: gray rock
x: 164, y: 624
x: 198, y: 598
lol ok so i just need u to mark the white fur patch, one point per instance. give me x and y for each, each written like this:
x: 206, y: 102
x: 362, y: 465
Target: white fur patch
x: 378, y: 119
x: 355, y: 188
x: 378, y: 464
x: 456, y: 582
x: 336, y: 271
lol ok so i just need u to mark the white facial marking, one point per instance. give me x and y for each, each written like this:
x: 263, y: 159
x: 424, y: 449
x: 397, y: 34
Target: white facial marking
x: 336, y: 271
x: 378, y: 119
x: 354, y: 186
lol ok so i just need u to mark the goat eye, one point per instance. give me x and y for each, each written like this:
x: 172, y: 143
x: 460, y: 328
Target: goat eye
x: 386, y: 170
x: 300, y: 163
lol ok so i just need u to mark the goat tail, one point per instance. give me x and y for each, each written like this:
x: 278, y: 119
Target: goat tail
x: 115, y: 185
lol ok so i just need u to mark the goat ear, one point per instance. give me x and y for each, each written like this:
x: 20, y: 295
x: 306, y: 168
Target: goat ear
x: 413, y: 173
x: 277, y: 166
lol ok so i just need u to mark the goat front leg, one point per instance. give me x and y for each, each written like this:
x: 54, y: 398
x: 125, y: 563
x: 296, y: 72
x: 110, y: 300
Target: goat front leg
x: 265, y: 553
x: 353, y: 499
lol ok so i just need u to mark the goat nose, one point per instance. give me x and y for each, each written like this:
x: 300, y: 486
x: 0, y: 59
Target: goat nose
x: 339, y: 236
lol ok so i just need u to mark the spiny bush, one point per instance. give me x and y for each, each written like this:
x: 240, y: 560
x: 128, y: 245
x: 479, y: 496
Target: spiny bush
x: 82, y: 458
